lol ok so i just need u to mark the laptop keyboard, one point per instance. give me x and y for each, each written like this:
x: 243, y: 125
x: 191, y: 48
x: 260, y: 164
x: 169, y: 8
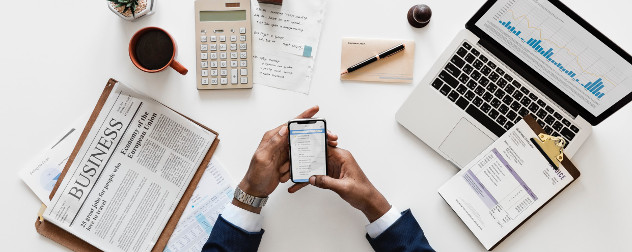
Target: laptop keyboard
x: 486, y: 92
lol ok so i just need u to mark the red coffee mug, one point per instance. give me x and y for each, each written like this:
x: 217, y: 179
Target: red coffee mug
x: 172, y: 63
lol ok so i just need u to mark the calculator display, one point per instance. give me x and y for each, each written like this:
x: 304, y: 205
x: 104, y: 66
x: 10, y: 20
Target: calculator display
x: 238, y: 15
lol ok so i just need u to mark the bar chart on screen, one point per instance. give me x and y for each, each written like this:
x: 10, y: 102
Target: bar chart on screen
x: 567, y: 54
x: 593, y: 87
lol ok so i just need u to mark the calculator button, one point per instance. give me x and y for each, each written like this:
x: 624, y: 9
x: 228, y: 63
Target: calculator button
x: 233, y: 63
x: 204, y: 56
x: 213, y: 81
x: 213, y: 72
x: 233, y: 47
x: 244, y: 71
x: 243, y: 46
x: 244, y: 80
x: 233, y: 38
x: 204, y: 47
x: 204, y: 64
x: 204, y: 81
x: 233, y: 76
x: 222, y: 55
x: 203, y: 39
x: 204, y: 73
x: 222, y: 64
x: 223, y: 72
x: 243, y: 63
x: 223, y: 81
x: 222, y: 47
x: 213, y: 38
x: 213, y: 63
x: 222, y: 38
x: 242, y: 37
x: 242, y: 55
x: 213, y: 47
x: 242, y: 30
x: 213, y: 55
x: 233, y: 55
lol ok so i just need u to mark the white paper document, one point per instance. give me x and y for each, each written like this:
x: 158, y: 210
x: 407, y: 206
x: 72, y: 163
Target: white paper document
x: 42, y: 172
x: 211, y: 196
x: 129, y: 174
x: 285, y: 41
x: 503, y: 186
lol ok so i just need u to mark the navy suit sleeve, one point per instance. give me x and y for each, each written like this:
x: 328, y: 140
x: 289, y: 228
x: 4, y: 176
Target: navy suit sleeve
x: 404, y: 235
x: 227, y: 237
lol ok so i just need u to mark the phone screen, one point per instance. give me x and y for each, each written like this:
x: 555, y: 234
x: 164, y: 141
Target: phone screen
x: 308, y: 151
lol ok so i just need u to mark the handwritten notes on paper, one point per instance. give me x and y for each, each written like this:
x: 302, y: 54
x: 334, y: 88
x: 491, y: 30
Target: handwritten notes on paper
x: 285, y: 42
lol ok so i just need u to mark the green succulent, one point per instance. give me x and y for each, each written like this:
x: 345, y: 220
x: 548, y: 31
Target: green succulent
x: 128, y: 4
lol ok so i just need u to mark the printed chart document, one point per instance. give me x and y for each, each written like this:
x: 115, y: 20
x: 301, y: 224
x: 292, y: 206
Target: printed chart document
x: 43, y: 171
x: 211, y: 196
x: 129, y: 174
x: 285, y: 42
x: 503, y: 186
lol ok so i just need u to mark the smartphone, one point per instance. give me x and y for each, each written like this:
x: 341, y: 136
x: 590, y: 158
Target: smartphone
x: 308, y: 148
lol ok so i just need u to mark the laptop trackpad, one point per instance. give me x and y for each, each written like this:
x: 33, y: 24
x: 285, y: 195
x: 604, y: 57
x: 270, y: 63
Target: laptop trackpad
x: 464, y: 143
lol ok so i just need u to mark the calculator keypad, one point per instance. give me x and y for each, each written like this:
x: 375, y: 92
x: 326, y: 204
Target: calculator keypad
x: 224, y: 62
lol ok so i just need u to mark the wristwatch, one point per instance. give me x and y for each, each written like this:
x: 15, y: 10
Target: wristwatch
x: 248, y: 199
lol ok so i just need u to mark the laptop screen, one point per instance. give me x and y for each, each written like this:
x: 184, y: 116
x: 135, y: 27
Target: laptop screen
x: 558, y: 48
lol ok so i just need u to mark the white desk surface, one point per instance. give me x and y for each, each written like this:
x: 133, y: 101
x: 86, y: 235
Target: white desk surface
x: 58, y: 55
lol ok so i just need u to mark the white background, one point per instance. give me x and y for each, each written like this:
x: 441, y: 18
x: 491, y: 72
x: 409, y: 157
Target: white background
x: 58, y: 55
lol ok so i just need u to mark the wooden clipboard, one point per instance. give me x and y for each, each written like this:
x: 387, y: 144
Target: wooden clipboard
x: 566, y: 163
x: 61, y: 236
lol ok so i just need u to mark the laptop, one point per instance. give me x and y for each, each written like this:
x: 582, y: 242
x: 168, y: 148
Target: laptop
x: 518, y: 57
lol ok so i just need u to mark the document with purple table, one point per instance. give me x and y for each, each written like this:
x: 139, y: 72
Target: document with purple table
x: 505, y: 185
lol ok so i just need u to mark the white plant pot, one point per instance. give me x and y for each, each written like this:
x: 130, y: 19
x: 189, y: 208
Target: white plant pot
x: 148, y: 9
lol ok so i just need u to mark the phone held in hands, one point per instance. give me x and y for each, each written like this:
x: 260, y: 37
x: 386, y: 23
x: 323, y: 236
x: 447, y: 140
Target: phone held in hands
x: 308, y: 148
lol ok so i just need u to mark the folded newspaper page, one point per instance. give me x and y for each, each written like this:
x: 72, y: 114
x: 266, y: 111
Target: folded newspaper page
x: 129, y: 174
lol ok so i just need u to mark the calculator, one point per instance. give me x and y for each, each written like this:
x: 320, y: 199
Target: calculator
x: 223, y: 44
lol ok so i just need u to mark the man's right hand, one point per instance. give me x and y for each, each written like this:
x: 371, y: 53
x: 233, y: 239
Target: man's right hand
x: 345, y: 177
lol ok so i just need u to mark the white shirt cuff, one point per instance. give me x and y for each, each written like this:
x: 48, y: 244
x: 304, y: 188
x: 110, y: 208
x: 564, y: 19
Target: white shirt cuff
x: 380, y: 225
x: 242, y: 218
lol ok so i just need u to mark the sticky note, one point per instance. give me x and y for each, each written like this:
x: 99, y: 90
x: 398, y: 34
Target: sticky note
x: 307, y: 51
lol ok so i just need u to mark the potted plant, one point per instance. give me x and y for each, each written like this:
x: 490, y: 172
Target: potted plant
x: 131, y: 9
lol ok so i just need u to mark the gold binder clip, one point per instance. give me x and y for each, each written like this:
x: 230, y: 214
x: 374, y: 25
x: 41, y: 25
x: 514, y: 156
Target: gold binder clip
x: 552, y: 147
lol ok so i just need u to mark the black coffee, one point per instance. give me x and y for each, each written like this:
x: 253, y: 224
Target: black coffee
x: 153, y: 49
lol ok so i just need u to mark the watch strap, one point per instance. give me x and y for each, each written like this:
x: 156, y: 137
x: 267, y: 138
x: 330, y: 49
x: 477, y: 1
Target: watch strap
x: 248, y: 199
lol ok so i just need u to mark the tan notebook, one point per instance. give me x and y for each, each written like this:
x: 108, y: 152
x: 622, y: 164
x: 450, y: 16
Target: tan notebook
x: 397, y: 68
x: 74, y: 243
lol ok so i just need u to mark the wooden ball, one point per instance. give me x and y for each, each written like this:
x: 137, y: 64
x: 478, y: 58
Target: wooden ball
x: 419, y: 15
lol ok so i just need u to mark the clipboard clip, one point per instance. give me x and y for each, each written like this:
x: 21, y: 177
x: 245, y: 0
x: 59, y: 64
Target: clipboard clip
x: 552, y: 147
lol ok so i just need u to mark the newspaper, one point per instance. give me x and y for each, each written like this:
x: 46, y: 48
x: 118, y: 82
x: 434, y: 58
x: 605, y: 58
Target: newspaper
x: 211, y: 196
x: 129, y: 174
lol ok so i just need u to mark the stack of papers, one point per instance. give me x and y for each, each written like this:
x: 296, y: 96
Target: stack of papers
x: 42, y: 172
